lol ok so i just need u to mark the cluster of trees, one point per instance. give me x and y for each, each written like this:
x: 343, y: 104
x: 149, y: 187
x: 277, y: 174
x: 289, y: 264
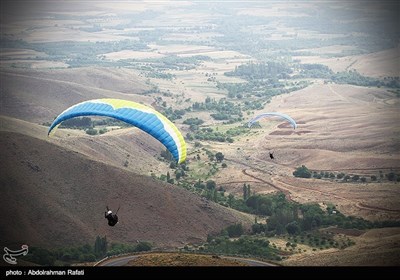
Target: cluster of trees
x: 79, y: 123
x: 355, y: 78
x: 351, y: 77
x: 284, y: 216
x: 87, y: 124
x: 79, y: 54
x: 193, y: 123
x: 223, y: 109
x: 209, y: 134
x: 212, y: 192
x: 263, y: 88
x: 314, y: 71
x: 263, y: 82
x: 264, y: 70
x: 155, y: 67
x: 178, y: 63
x: 317, y: 239
x: 244, y: 246
x: 160, y: 75
x: 209, y: 190
x: 304, y: 172
x: 172, y: 114
x: 180, y: 171
x: 83, y: 253
x: 246, y: 191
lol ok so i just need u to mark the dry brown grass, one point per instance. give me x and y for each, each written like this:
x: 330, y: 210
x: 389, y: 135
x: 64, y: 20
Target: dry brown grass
x: 56, y: 197
x: 378, y: 64
x: 181, y: 259
x: 377, y: 247
x: 40, y: 95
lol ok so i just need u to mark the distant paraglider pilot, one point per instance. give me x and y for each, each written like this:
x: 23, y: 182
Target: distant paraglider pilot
x: 271, y: 155
x: 112, y: 218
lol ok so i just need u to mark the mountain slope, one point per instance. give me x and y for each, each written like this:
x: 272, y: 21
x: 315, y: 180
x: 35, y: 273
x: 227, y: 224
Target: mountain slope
x: 130, y: 148
x: 39, y: 96
x: 56, y: 197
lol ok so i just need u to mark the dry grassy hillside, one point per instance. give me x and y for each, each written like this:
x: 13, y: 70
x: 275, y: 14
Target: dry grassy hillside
x: 55, y: 197
x: 129, y: 148
x: 377, y: 247
x: 377, y: 64
x: 341, y: 128
x: 39, y: 96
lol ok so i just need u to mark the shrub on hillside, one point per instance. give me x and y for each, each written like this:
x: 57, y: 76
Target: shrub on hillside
x: 302, y: 172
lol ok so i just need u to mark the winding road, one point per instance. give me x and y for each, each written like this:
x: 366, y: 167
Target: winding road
x: 124, y: 260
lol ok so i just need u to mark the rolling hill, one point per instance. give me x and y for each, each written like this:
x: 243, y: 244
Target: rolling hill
x: 48, y: 206
x: 40, y: 95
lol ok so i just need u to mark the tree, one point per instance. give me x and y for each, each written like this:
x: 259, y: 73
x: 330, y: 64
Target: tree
x: 143, y: 246
x: 167, y: 155
x: 302, y: 172
x: 219, y: 156
x: 235, y: 230
x: 391, y: 176
x: 91, y: 131
x: 77, y: 122
x: 230, y: 199
x: 245, y: 192
x: 355, y: 178
x: 100, y: 246
x: 257, y: 228
x: 293, y: 228
x: 340, y: 175
x: 215, y: 195
x: 211, y: 184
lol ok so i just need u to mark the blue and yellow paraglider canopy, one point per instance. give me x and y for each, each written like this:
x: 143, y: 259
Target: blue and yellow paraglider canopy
x: 273, y: 114
x: 141, y: 116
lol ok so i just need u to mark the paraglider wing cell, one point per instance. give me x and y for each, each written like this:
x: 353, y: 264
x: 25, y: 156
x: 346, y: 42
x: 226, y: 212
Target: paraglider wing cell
x: 141, y: 116
x: 273, y: 114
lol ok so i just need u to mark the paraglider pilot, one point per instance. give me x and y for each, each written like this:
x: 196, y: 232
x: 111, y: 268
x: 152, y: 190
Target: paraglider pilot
x: 112, y: 218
